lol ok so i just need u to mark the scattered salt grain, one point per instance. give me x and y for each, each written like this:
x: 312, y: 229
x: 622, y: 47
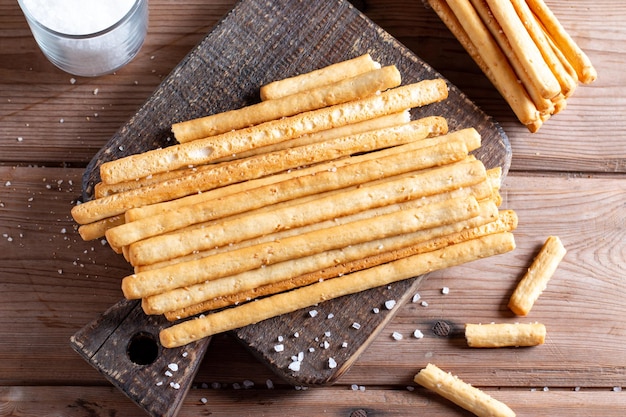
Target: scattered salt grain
x: 389, y: 304
x: 247, y: 384
x: 95, y: 91
x: 327, y: 333
x: 168, y: 373
x: 173, y: 367
x: 269, y: 384
x: 376, y: 310
x: 279, y: 347
x: 410, y: 388
x: 19, y: 139
x: 330, y: 316
x: 295, y: 366
x: 175, y: 385
x: 416, y: 298
x: 418, y: 334
x: 325, y: 344
x: 617, y: 389
x: 356, y: 325
x: 354, y: 387
x: 313, y: 313
x: 344, y: 345
x: 332, y: 363
x: 158, y: 384
x: 280, y: 338
x: 204, y: 400
x: 396, y: 336
x: 445, y: 290
x: 72, y: 81
x: 424, y: 304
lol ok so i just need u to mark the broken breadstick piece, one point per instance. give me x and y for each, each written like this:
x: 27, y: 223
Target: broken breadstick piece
x: 536, y: 278
x: 497, y: 335
x: 323, y: 76
x: 461, y: 393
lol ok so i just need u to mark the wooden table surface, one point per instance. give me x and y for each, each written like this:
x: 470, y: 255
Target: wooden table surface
x: 569, y: 179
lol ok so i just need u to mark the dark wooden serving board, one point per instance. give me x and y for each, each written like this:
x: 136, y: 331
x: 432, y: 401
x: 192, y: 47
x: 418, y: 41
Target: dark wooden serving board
x: 258, y: 42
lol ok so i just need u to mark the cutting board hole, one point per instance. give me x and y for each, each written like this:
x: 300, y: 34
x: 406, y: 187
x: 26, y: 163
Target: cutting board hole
x: 143, y: 349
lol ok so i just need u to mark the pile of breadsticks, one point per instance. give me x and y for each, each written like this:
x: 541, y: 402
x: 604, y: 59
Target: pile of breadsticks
x: 524, y: 51
x: 324, y: 188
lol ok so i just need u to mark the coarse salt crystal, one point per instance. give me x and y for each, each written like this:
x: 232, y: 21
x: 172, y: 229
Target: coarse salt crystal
x: 248, y: 384
x: 356, y: 325
x: 173, y: 367
x: 295, y: 366
x: 279, y: 347
x: 418, y: 334
x: 445, y: 290
x: 424, y: 304
x: 269, y: 384
x: 313, y: 313
x: 376, y: 310
x: 204, y: 400
x: 416, y: 298
x: 396, y: 336
x: 332, y: 363
x: 175, y: 385
x: 389, y: 304
x: 168, y: 373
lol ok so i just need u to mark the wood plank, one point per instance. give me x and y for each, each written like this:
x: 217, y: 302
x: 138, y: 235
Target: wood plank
x: 338, y: 401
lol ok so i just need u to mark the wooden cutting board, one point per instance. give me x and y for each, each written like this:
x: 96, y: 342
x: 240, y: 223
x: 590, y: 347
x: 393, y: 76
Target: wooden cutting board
x: 258, y: 42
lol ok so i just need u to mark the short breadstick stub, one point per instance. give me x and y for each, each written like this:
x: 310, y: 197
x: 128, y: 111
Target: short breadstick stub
x: 495, y: 335
x: 536, y: 278
x: 461, y: 393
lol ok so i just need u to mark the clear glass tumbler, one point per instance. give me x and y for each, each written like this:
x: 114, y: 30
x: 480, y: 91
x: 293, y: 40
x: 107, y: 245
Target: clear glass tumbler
x: 88, y: 37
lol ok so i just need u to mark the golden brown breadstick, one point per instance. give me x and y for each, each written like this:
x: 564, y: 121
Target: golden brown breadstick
x: 381, y: 122
x: 249, y: 313
x: 461, y: 393
x: 98, y: 229
x: 403, y: 188
x: 467, y: 27
x: 155, y: 281
x: 350, y: 89
x: 574, y: 54
x: 497, y: 335
x: 207, y: 150
x: 536, y: 278
x: 211, y: 176
x: 535, y: 30
x: 325, y: 265
x: 297, y: 187
x: 525, y: 48
x: 323, y: 76
x: 482, y: 8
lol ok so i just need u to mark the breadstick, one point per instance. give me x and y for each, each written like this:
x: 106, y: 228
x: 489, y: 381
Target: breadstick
x: 350, y: 89
x: 152, y: 282
x: 574, y: 54
x: 525, y: 48
x: 98, y: 229
x: 504, y: 335
x: 212, y: 176
x: 323, y: 76
x: 465, y: 187
x: 482, y: 8
x: 536, y: 278
x: 203, y: 151
x: 566, y: 82
x: 394, y: 248
x: 301, y: 186
x: 461, y: 393
x: 172, y: 245
x: 436, y: 126
x: 249, y: 313
x: 381, y: 122
x: 326, y: 265
x: 467, y: 27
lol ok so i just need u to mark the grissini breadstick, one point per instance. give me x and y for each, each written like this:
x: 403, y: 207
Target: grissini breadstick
x: 249, y: 313
x: 566, y: 82
x: 535, y: 281
x: 202, y: 151
x: 297, y: 187
x: 326, y: 265
x: 466, y: 187
x: 525, y: 48
x: 155, y: 281
x: 411, y: 244
x: 496, y: 335
x: 381, y: 122
x: 323, y: 76
x: 467, y: 27
x: 482, y: 8
x: 461, y: 393
x: 98, y: 229
x: 350, y: 89
x: 228, y: 231
x: 436, y: 126
x: 574, y: 54
x: 213, y: 176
